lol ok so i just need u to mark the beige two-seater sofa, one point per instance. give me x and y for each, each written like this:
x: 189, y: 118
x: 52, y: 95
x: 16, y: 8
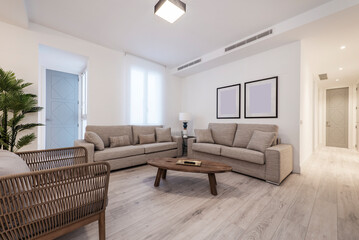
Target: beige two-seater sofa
x: 134, y: 154
x: 230, y: 147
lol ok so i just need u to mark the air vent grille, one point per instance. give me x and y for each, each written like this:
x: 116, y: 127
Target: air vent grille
x: 249, y: 40
x: 189, y: 64
x: 323, y: 76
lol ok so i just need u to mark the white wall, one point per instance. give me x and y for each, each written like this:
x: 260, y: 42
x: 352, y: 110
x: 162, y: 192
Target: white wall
x: 199, y: 91
x: 19, y: 50
x: 306, y: 106
x: 172, y: 104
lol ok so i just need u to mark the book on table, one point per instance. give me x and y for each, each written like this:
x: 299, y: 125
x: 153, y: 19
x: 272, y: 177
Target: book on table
x: 189, y: 162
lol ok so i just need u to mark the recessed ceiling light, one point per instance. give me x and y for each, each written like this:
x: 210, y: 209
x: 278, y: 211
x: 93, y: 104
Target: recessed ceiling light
x: 337, y: 80
x: 170, y: 10
x: 340, y: 69
x: 343, y: 47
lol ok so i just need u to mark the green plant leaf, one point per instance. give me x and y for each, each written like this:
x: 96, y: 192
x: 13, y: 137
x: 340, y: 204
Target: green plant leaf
x: 14, y: 105
x: 27, y: 126
x: 25, y: 140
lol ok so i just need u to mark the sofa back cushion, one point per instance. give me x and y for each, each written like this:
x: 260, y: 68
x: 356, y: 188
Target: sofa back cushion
x: 105, y: 132
x: 143, y: 130
x: 245, y: 131
x: 223, y: 133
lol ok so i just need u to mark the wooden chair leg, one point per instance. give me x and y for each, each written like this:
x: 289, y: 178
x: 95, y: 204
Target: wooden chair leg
x: 102, y: 226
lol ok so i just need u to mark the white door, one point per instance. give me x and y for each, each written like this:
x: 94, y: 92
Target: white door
x: 61, y: 109
x: 357, y: 118
x: 337, y: 117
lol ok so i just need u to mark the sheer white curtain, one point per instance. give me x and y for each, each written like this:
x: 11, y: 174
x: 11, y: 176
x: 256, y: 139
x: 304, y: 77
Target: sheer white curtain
x: 145, y: 91
x: 83, y: 112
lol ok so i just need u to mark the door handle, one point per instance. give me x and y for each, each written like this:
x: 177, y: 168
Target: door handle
x: 328, y: 125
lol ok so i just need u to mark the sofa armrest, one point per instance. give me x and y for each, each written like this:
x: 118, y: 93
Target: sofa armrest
x: 90, y: 147
x: 279, y: 162
x: 179, y: 141
x: 190, y: 142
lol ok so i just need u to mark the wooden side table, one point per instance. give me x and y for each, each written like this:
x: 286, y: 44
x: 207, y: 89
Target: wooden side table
x: 185, y: 144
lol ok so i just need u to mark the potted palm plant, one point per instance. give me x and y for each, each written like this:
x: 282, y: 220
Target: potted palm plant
x: 15, y: 105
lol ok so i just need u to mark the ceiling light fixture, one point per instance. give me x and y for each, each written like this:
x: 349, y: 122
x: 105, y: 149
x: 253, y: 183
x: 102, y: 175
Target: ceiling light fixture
x: 337, y: 80
x: 170, y: 10
x: 343, y: 47
x: 340, y: 69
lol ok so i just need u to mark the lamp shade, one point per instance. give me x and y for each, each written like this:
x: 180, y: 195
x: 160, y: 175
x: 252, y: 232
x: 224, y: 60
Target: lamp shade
x: 185, y: 117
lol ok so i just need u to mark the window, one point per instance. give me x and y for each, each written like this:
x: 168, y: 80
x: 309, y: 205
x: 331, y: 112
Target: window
x: 145, y: 96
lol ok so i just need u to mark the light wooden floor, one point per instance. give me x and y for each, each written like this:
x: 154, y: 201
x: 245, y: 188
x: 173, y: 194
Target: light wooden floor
x: 321, y: 203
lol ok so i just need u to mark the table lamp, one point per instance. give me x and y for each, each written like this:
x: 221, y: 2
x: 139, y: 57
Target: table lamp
x: 185, y: 118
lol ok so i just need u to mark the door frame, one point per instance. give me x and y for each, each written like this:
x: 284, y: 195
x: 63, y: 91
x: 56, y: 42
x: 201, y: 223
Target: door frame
x: 42, y: 102
x: 351, y: 116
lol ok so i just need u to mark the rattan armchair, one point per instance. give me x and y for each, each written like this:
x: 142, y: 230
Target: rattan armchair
x: 61, y: 193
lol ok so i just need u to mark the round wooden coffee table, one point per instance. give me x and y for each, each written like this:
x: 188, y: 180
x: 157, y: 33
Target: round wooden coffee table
x: 207, y: 167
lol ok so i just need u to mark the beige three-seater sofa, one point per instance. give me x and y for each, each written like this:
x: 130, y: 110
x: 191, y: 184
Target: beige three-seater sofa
x: 134, y: 154
x: 272, y: 165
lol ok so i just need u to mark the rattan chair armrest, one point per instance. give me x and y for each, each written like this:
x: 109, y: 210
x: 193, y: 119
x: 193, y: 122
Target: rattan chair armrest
x: 55, y: 198
x: 54, y: 158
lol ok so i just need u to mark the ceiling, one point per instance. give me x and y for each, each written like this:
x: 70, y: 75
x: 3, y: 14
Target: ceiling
x: 322, y: 41
x: 132, y: 27
x: 14, y: 12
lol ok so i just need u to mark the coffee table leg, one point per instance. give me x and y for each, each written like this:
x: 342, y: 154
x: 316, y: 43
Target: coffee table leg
x: 158, y: 177
x: 164, y: 172
x: 212, y: 183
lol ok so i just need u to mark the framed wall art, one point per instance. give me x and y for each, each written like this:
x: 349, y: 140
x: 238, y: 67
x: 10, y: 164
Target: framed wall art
x: 261, y: 98
x: 229, y: 102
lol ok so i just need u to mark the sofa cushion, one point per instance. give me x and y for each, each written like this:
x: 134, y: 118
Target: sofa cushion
x: 105, y: 132
x: 10, y: 163
x: 243, y: 154
x: 203, y: 136
x: 207, y: 148
x: 118, y: 152
x: 244, y: 133
x: 223, y: 133
x: 260, y: 141
x: 142, y: 130
x: 119, y: 141
x: 158, y: 147
x: 147, y: 138
x: 92, y: 137
x: 163, y: 135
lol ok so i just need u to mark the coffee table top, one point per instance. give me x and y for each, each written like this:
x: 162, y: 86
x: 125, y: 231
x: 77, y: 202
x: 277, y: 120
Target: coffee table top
x: 206, y: 166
